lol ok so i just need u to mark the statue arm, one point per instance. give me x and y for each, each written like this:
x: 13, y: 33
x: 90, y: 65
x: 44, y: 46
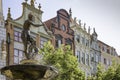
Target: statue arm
x: 36, y: 25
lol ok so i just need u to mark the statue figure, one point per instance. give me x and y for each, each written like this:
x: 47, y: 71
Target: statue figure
x: 85, y: 26
x: 80, y: 23
x: 89, y: 30
x: 29, y: 43
x: 75, y: 19
x: 4, y: 53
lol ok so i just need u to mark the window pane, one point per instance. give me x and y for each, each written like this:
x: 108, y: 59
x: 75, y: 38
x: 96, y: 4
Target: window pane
x: 16, y: 38
x: 19, y: 34
x: 16, y: 60
x: 20, y: 53
x: 42, y: 41
x: 15, y: 33
x: 15, y: 52
x: 59, y: 43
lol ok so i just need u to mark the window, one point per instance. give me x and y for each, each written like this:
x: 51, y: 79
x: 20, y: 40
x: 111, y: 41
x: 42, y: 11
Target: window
x: 58, y: 43
x: 69, y: 42
x: 63, y: 27
x: 52, y: 27
x: 105, y: 61
x: 83, y: 58
x: 17, y: 36
x: 103, y: 48
x: 87, y: 59
x: 92, y: 58
x: 1, y: 23
x: 78, y: 56
x: 42, y: 41
x: 96, y: 46
x: 87, y: 42
x: 78, y: 38
x: 108, y: 51
x: 97, y: 59
x: 58, y: 40
x: 18, y: 56
x: 83, y: 40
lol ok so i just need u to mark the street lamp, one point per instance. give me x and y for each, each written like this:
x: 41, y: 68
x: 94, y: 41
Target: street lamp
x: 8, y: 41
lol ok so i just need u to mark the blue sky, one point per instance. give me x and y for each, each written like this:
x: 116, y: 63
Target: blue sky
x: 104, y: 15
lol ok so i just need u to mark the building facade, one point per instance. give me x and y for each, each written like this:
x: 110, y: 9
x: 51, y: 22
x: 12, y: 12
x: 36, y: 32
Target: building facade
x: 108, y: 54
x: 89, y: 50
x: 2, y: 41
x: 95, y: 53
x: 60, y: 27
x: 82, y: 45
x: 14, y: 29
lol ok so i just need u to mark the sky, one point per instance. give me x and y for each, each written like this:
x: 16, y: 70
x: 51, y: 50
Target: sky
x: 103, y: 15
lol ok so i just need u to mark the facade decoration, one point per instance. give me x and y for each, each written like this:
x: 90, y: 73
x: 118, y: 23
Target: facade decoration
x: 95, y: 52
x: 82, y: 46
x: 60, y: 27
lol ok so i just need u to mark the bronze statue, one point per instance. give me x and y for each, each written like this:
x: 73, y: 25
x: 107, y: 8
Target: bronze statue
x: 29, y: 43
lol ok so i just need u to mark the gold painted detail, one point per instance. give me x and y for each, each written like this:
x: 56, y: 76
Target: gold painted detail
x: 8, y: 73
x: 29, y: 61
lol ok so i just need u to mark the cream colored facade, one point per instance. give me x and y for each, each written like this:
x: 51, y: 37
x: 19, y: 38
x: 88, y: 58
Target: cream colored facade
x: 88, y: 49
x: 82, y: 46
x: 108, y: 55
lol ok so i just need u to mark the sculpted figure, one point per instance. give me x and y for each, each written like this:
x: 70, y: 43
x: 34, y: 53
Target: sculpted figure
x: 28, y: 42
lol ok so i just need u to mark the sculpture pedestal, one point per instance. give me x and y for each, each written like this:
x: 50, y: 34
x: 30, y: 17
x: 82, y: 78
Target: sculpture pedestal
x: 29, y: 70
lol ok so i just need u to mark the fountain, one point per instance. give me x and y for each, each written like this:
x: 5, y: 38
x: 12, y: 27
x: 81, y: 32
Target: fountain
x: 29, y: 68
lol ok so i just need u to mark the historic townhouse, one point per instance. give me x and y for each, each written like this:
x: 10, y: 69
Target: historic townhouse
x: 82, y: 45
x: 108, y: 54
x: 60, y: 27
x: 14, y: 28
x: 95, y: 57
x: 86, y: 47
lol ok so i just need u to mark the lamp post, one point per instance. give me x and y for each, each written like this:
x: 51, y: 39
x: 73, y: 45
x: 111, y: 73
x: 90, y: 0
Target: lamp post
x: 8, y: 48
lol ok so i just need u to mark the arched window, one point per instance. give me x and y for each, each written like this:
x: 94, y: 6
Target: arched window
x: 63, y: 27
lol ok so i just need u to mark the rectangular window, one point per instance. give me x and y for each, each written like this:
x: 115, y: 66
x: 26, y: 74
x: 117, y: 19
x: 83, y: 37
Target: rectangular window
x: 42, y: 41
x: 78, y: 38
x: 87, y: 59
x: 105, y: 62
x: 58, y: 43
x: 18, y: 56
x: 87, y: 42
x: 103, y: 48
x: 83, y: 58
x: 92, y: 58
x: 83, y: 40
x: 17, y: 36
x: 97, y: 59
x: 108, y: 51
x: 96, y: 46
x: 78, y: 56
